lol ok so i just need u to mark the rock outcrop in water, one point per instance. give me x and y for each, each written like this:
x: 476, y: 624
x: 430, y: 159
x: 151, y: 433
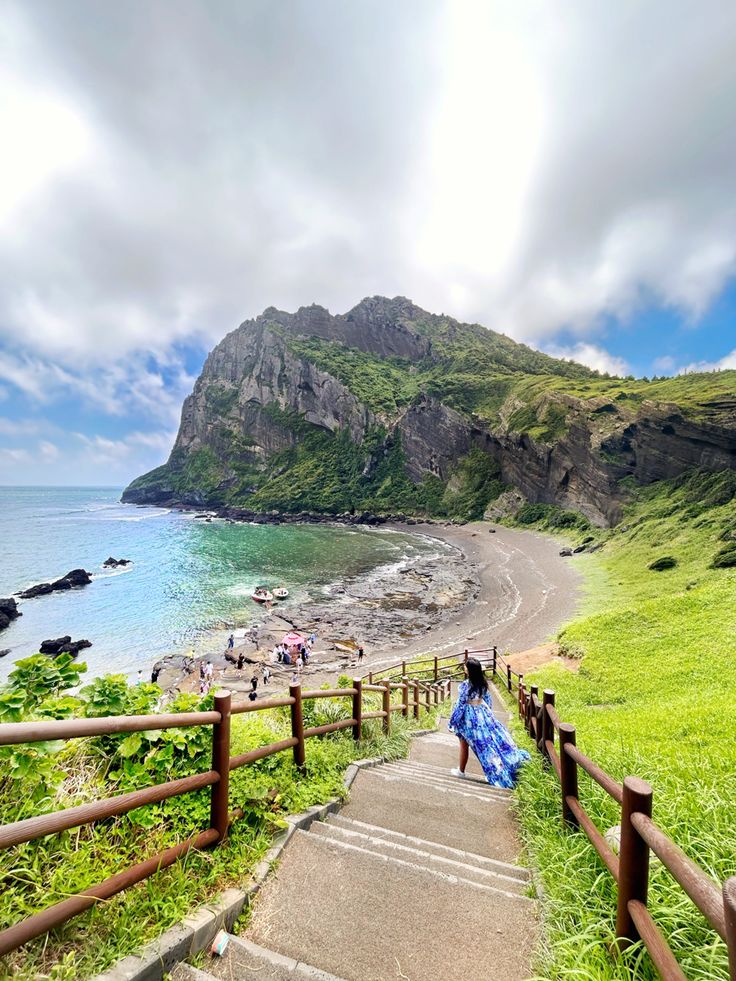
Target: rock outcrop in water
x: 72, y: 580
x: 63, y: 645
x: 389, y: 408
x: 8, y: 612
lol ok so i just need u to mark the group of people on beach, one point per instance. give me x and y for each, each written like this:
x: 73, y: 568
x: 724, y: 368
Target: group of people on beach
x: 296, y: 654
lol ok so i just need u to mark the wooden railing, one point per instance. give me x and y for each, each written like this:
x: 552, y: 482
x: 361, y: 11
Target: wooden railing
x: 639, y: 836
x: 433, y: 667
x: 415, y: 697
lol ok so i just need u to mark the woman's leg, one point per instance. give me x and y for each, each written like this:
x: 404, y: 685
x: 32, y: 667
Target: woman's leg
x: 463, y: 755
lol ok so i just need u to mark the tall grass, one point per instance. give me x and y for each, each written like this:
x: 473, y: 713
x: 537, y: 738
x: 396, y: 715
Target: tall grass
x: 654, y: 697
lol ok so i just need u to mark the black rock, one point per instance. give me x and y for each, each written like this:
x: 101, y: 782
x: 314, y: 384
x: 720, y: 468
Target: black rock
x: 8, y: 611
x: 63, y: 645
x: 580, y: 548
x: 565, y: 552
x: 4, y: 652
x: 77, y: 577
x: 111, y: 563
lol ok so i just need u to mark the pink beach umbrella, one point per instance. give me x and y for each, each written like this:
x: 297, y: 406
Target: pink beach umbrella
x: 292, y: 639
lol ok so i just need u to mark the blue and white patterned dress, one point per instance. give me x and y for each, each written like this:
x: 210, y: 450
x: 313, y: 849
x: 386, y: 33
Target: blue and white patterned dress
x: 491, y: 742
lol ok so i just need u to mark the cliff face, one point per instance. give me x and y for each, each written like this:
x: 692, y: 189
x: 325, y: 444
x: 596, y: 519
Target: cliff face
x: 389, y: 407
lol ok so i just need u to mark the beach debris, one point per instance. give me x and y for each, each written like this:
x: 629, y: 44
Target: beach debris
x: 565, y: 552
x: 77, y: 577
x: 8, y: 611
x: 63, y: 645
x: 219, y: 944
x: 111, y: 563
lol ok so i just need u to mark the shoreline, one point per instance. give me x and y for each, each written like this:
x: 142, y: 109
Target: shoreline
x: 494, y: 586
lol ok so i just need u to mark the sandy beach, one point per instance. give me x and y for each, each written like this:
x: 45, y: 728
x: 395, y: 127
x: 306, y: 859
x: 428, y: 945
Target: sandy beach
x: 488, y: 585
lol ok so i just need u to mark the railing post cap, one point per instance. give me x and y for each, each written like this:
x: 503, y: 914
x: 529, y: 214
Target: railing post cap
x: 222, y: 693
x: 567, y: 728
x: 549, y: 692
x: 357, y: 681
x: 636, y: 785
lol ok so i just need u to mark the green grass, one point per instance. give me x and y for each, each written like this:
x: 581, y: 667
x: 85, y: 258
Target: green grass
x: 40, y: 873
x: 654, y: 697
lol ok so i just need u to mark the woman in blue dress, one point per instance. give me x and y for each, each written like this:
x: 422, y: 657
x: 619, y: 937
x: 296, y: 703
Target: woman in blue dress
x: 477, y: 728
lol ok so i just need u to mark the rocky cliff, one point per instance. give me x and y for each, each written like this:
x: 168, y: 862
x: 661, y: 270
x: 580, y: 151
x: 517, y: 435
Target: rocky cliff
x: 389, y: 408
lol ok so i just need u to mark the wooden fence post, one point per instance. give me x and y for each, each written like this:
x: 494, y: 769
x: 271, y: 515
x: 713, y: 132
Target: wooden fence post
x: 416, y: 699
x: 386, y: 721
x: 495, y: 658
x: 403, y: 668
x: 358, y: 708
x: 465, y: 655
x: 435, y: 695
x: 219, y: 811
x: 633, y: 859
x: 729, y: 908
x: 568, y: 774
x: 520, y: 700
x: 435, y: 668
x: 508, y: 676
x: 297, y: 725
x: 533, y: 693
x: 370, y: 677
x: 548, y: 730
x: 428, y: 698
x: 405, y: 696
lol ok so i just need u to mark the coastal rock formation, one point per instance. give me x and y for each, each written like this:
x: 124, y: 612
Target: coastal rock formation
x: 389, y: 409
x: 112, y: 563
x: 8, y: 612
x: 63, y: 645
x: 72, y: 580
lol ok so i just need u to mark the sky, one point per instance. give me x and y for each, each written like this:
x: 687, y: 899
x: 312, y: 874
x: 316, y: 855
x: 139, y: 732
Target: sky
x: 563, y: 173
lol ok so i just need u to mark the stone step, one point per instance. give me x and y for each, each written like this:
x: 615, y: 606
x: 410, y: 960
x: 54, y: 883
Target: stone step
x: 516, y: 872
x: 441, y: 770
x: 441, y: 777
x: 245, y: 959
x: 456, y: 788
x: 369, y: 917
x: 420, y: 857
x: 472, y: 822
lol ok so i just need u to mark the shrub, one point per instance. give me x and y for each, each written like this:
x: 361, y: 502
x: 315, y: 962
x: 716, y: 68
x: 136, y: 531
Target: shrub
x: 665, y: 562
x: 726, y: 557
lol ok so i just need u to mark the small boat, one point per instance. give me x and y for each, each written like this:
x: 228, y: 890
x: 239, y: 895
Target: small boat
x: 261, y: 595
x: 281, y: 593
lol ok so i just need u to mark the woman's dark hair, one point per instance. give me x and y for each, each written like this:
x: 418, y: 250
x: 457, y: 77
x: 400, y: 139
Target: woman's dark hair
x: 476, y: 679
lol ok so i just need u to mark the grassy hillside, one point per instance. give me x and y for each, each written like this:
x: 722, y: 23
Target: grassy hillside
x: 654, y: 697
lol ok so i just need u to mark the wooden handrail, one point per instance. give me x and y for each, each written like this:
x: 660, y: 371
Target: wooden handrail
x: 73, y: 817
x: 17, y: 733
x: 639, y: 833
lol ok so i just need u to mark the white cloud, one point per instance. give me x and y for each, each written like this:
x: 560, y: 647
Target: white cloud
x: 18, y: 427
x: 726, y: 363
x: 509, y: 163
x: 664, y: 365
x: 48, y: 451
x: 591, y: 355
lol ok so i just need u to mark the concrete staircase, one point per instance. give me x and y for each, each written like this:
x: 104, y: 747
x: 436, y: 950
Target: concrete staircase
x: 415, y: 879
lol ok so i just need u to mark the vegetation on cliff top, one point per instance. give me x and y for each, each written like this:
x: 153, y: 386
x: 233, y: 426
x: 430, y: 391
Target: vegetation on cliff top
x: 497, y: 385
x: 653, y: 697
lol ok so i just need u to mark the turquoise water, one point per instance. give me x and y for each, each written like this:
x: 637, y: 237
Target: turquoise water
x: 189, y: 578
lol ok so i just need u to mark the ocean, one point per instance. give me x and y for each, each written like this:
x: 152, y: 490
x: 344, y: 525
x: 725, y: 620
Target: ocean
x: 189, y: 579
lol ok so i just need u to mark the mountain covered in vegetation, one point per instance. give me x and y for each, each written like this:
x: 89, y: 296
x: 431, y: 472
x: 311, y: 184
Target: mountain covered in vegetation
x: 390, y: 409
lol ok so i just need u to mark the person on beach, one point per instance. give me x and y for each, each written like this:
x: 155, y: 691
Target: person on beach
x: 241, y: 661
x: 477, y: 728
x: 266, y: 674
x: 299, y: 663
x: 230, y: 642
x: 254, y: 682
x: 361, y: 652
x: 253, y: 695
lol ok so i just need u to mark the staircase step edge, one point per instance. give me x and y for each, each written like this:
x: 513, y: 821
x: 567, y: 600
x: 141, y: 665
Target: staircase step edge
x: 412, y: 866
x: 425, y: 859
x: 507, y: 868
